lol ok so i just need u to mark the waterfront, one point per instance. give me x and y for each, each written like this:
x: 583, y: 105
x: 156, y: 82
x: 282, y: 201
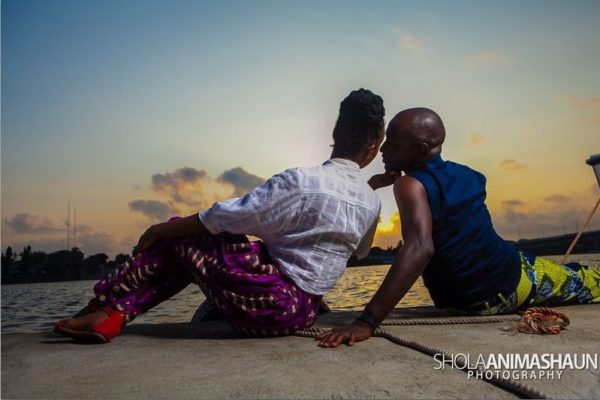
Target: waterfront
x: 36, y: 307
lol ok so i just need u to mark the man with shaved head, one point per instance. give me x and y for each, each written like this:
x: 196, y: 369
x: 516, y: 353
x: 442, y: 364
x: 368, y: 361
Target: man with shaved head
x: 449, y: 239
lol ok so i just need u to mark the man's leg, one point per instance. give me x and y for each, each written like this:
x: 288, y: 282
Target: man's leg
x: 544, y: 282
x: 558, y: 284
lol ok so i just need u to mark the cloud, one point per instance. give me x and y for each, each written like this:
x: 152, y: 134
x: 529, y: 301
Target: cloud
x: 32, y: 224
x: 476, y: 138
x: 492, y: 57
x: 514, y: 225
x: 126, y: 245
x: 156, y: 210
x: 88, y: 241
x: 95, y: 242
x: 410, y: 42
x: 83, y: 229
x: 512, y: 203
x: 553, y: 215
x: 511, y: 165
x: 389, y: 233
x: 179, y: 184
x: 589, y: 106
x: 241, y: 180
x: 190, y: 189
x: 558, y: 198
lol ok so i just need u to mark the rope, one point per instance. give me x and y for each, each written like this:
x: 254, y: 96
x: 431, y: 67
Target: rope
x: 542, y: 320
x: 587, y: 221
x: 452, y: 321
x: 533, y: 320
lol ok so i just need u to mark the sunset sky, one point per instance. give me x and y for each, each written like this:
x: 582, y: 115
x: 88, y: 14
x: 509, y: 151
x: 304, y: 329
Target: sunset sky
x: 137, y: 110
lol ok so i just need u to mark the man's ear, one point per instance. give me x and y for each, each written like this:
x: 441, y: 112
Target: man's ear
x: 424, y: 148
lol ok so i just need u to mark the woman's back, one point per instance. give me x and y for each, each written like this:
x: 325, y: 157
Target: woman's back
x: 311, y: 220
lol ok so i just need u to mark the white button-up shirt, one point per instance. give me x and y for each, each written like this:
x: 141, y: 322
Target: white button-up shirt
x: 311, y: 220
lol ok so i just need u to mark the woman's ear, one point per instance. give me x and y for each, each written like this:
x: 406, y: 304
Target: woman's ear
x: 373, y: 149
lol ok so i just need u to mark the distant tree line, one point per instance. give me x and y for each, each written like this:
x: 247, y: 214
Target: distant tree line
x: 377, y: 256
x: 70, y: 265
x: 63, y: 265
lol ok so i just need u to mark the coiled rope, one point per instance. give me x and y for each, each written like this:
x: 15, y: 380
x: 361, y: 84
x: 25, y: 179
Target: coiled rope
x: 542, y: 320
x: 533, y: 320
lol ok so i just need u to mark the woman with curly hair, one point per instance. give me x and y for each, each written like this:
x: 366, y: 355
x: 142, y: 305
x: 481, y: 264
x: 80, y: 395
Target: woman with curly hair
x: 310, y: 221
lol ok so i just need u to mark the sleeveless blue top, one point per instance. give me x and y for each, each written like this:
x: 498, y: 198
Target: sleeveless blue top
x: 471, y: 262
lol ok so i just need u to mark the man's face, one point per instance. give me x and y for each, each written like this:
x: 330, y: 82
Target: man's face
x: 399, y: 151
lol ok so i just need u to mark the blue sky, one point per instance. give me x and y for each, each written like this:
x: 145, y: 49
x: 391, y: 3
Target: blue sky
x: 100, y: 96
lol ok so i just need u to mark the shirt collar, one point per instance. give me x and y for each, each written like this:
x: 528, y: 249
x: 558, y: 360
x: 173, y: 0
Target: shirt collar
x: 343, y: 162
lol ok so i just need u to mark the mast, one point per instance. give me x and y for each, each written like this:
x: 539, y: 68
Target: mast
x: 75, y: 228
x: 68, y: 225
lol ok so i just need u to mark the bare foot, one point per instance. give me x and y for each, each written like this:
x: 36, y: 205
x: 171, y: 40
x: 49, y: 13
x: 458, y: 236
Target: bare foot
x: 86, y: 322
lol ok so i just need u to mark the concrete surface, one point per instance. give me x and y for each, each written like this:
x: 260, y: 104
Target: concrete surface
x: 208, y: 360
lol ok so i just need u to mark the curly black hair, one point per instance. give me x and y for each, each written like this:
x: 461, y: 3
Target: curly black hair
x: 359, y: 123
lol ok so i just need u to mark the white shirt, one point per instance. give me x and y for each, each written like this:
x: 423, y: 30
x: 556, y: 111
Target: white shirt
x: 311, y: 220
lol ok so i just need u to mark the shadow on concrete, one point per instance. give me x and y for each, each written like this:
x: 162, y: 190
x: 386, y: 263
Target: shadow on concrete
x: 185, y: 330
x: 221, y: 330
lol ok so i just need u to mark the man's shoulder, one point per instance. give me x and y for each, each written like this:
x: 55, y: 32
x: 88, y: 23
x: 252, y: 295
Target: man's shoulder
x: 463, y: 168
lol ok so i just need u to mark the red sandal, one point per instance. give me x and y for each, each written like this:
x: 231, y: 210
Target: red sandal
x: 100, y: 333
x: 88, y: 309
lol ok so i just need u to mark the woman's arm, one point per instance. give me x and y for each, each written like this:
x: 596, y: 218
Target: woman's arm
x: 182, y: 227
x: 382, y: 180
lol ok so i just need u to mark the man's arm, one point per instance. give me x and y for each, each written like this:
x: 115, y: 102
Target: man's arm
x: 408, y: 265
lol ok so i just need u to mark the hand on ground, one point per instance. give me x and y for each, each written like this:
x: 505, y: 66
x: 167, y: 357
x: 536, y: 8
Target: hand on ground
x: 349, y: 334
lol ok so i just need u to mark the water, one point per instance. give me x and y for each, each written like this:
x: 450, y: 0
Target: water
x: 36, y: 307
x: 357, y: 285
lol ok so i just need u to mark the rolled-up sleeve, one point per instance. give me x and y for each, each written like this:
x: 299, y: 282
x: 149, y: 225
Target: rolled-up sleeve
x: 257, y: 213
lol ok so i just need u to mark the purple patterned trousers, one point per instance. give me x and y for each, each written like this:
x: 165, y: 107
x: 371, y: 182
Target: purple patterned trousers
x: 238, y: 277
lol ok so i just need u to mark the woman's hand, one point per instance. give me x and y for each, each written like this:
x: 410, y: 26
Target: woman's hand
x: 147, y: 239
x: 350, y: 334
x: 382, y: 180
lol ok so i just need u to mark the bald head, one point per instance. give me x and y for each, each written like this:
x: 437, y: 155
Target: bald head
x: 421, y: 124
x: 413, y: 136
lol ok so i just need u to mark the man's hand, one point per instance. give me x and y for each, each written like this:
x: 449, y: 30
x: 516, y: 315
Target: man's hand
x: 382, y: 180
x: 350, y: 334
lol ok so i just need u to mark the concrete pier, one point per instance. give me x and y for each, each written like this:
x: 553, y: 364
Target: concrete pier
x: 208, y: 360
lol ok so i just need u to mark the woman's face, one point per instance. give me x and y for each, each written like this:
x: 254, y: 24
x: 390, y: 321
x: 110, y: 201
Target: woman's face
x: 374, y: 148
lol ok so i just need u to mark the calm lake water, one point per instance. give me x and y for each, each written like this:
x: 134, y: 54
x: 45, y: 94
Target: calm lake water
x: 36, y: 307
